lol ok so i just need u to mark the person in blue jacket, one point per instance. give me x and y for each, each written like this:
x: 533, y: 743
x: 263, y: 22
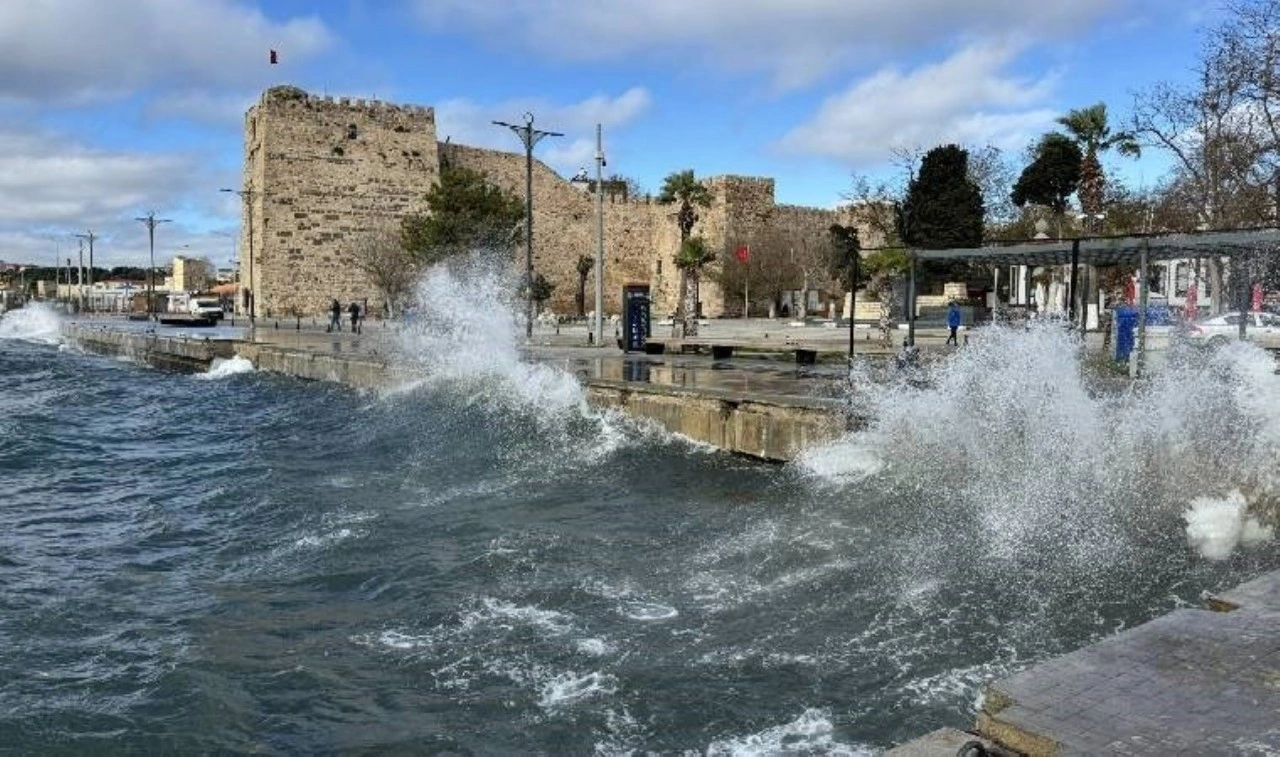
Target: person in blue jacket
x: 953, y: 323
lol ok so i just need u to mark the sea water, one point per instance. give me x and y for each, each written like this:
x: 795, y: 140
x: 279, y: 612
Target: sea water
x: 478, y: 562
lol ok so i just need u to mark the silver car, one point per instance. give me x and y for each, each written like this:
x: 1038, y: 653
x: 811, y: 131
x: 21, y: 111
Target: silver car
x: 1261, y: 327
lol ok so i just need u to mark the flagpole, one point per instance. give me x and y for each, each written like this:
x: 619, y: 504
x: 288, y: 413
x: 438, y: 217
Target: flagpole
x: 746, y: 291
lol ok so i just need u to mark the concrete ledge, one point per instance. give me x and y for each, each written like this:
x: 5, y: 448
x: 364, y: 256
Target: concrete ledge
x: 774, y: 430
x: 1192, y: 681
x: 166, y: 352
x: 1262, y: 593
x: 768, y: 428
x: 945, y: 742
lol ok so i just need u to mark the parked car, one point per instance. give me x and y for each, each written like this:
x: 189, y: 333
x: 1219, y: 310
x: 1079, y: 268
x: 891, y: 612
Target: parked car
x: 1261, y: 327
x: 210, y: 307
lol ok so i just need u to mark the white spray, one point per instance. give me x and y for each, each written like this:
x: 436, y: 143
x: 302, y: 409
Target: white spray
x: 1046, y: 457
x: 37, y: 322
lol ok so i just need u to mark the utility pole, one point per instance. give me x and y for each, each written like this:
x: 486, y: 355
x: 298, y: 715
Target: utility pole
x: 151, y: 222
x: 249, y: 297
x: 599, y: 325
x: 80, y: 280
x: 529, y: 137
x: 89, y: 236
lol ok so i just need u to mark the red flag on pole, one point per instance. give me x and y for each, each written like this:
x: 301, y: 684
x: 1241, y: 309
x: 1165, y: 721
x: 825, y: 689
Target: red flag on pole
x: 274, y: 58
x: 743, y: 253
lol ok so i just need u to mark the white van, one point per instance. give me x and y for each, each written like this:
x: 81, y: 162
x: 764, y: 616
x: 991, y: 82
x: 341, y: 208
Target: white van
x: 209, y: 307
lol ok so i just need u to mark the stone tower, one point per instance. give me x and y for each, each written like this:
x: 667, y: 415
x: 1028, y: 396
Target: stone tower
x: 318, y: 172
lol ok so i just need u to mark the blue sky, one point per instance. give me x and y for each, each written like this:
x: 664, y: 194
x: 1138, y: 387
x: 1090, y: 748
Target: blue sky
x: 111, y: 108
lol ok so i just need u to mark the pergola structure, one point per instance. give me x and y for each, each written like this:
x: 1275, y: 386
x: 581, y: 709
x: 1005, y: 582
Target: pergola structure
x: 1136, y: 251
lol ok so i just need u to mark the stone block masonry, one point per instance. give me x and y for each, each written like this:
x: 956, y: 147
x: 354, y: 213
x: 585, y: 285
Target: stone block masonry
x: 320, y: 171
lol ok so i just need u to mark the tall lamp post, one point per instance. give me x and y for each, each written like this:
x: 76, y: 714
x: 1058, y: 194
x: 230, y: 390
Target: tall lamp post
x: 90, y: 236
x: 529, y: 137
x: 151, y: 223
x: 599, y: 324
x: 250, y: 296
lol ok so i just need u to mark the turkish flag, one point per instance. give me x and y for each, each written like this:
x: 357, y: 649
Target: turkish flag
x: 743, y: 253
x: 274, y: 58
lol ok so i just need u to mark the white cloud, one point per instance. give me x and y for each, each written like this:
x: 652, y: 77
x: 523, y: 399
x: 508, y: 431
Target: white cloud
x: 90, y: 50
x: 202, y: 107
x: 968, y: 98
x: 52, y: 187
x: 794, y: 42
x: 471, y: 123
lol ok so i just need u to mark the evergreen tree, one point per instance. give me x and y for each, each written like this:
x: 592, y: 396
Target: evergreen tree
x: 465, y: 212
x: 943, y: 206
x: 1052, y: 176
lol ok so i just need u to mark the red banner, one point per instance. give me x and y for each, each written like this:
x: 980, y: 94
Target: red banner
x: 1257, y: 297
x: 743, y: 253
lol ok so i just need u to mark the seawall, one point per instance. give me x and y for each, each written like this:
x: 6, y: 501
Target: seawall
x: 773, y: 429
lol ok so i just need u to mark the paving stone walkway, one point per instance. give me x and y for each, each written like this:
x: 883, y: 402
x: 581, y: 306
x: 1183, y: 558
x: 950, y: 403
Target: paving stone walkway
x: 1193, y: 682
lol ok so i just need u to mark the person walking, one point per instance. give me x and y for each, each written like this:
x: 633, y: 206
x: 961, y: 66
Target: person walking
x: 354, y: 310
x: 953, y: 323
x: 335, y: 316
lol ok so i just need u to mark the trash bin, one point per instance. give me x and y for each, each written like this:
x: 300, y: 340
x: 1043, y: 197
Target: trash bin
x: 1126, y: 330
x: 635, y: 315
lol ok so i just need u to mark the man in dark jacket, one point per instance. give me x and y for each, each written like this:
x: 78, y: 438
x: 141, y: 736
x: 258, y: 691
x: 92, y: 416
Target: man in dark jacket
x: 335, y: 316
x: 354, y: 310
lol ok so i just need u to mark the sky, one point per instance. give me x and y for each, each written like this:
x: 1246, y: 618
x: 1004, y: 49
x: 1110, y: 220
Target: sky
x: 110, y: 109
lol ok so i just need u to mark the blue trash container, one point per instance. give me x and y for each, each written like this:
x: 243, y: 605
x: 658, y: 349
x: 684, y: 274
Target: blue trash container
x: 1126, y: 330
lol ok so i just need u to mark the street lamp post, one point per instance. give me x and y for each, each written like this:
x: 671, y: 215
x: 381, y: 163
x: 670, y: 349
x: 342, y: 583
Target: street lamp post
x: 529, y: 137
x: 151, y: 222
x: 80, y: 280
x: 599, y: 324
x: 89, y: 236
x: 250, y: 296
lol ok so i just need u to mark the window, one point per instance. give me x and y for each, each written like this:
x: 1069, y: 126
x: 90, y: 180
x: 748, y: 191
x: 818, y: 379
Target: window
x: 352, y: 132
x: 1181, y: 279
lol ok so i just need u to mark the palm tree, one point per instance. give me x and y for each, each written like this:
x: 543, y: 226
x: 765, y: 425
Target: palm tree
x: 1089, y: 128
x: 584, y: 266
x: 692, y: 257
x: 681, y: 187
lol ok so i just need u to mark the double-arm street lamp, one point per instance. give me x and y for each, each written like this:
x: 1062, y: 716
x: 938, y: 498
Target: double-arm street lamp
x: 90, y: 236
x: 529, y: 137
x: 249, y: 298
x: 151, y: 223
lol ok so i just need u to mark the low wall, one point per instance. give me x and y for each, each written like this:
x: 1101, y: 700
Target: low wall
x: 352, y: 370
x: 172, y: 353
x: 774, y: 430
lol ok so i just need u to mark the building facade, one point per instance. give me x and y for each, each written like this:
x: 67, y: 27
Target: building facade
x: 321, y: 172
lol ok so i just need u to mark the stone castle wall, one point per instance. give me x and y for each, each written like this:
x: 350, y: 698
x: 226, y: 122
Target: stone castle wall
x: 319, y: 172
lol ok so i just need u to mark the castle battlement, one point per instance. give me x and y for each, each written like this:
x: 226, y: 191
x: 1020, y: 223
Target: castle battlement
x: 287, y: 97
